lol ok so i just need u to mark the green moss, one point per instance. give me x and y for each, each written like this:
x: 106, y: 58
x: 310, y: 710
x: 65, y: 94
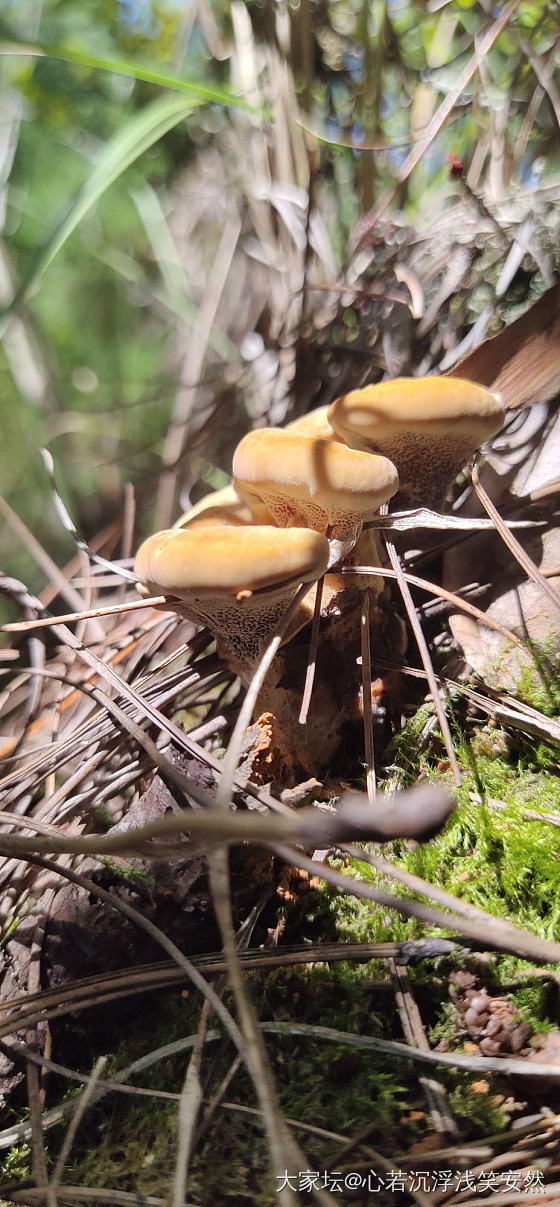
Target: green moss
x: 474, y: 1109
x: 15, y: 1163
x: 492, y: 853
x: 130, y: 1144
x: 339, y: 1089
x: 136, y: 877
x: 539, y: 685
x: 403, y: 756
x: 129, y: 1148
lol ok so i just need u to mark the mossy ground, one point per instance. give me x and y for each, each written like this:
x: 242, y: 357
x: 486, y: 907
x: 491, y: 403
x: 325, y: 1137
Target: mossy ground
x: 491, y: 854
x: 130, y: 1144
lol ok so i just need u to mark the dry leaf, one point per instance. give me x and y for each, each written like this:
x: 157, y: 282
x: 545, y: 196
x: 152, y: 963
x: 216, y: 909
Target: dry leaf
x: 523, y: 360
x: 522, y: 464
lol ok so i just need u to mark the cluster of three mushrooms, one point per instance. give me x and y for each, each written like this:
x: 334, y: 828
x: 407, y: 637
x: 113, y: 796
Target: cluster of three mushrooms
x: 300, y: 497
x: 295, y: 509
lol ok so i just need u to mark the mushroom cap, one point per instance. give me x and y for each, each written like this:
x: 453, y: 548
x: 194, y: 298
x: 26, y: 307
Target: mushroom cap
x: 225, y: 507
x: 417, y: 400
x: 206, y: 563
x: 428, y: 426
x: 315, y: 423
x: 310, y: 481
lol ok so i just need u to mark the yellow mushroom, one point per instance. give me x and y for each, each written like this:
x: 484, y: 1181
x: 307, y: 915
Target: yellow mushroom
x: 238, y: 581
x: 428, y: 426
x: 313, y: 483
x: 224, y: 507
x: 315, y: 423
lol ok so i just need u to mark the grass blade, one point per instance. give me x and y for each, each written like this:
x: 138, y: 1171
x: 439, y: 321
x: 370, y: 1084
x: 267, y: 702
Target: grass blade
x: 200, y: 93
x: 135, y: 137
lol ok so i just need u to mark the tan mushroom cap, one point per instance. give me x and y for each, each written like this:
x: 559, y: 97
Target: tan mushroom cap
x: 214, y: 561
x: 314, y: 483
x: 429, y: 427
x: 315, y: 423
x: 237, y: 582
x: 225, y: 507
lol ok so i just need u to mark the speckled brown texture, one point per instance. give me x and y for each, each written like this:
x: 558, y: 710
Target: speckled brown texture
x: 428, y: 460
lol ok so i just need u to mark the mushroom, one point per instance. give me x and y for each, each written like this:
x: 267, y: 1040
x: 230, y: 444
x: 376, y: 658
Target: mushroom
x: 224, y: 507
x: 429, y: 427
x: 314, y: 423
x: 313, y: 483
x: 238, y: 583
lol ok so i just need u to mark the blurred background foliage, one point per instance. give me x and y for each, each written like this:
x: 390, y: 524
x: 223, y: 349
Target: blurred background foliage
x: 217, y: 215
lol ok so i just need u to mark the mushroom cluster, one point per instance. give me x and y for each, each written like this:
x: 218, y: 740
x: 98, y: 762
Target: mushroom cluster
x: 295, y: 512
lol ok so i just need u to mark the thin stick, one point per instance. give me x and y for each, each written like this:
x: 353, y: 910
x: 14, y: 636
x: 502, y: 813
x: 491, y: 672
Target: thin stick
x: 417, y: 885
x: 81, y: 1107
x: 426, y: 659
x: 46, y: 564
x: 284, y: 1150
x: 483, y: 45
x: 519, y: 553
x: 312, y: 656
x: 441, y: 593
x: 165, y: 973
x: 70, y: 526
x: 85, y: 1194
x: 193, y: 363
x: 218, y: 1097
x: 127, y: 539
x: 134, y: 915
x: 503, y: 1066
x: 477, y: 925
x: 189, y: 1105
x: 22, y: 626
x: 38, y: 1159
x: 415, y: 1034
x: 365, y: 641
